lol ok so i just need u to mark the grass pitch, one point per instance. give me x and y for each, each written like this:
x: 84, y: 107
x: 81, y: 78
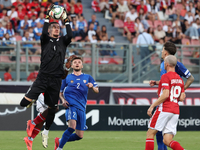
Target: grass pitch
x: 96, y: 140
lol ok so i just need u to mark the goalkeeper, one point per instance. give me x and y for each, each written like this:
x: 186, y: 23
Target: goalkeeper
x: 51, y: 69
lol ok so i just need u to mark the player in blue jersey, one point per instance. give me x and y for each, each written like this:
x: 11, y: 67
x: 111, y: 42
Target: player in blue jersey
x: 73, y: 94
x: 170, y: 49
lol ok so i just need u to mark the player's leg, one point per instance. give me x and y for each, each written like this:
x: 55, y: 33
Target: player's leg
x: 159, y: 139
x: 150, y: 139
x: 170, y: 131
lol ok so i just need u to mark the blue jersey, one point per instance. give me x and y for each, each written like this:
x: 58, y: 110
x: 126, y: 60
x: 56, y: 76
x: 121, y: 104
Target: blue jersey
x: 75, y: 90
x: 179, y: 69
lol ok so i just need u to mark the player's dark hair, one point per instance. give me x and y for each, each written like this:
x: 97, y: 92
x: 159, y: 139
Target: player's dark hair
x: 36, y: 68
x: 7, y: 68
x: 53, y: 23
x: 77, y: 57
x: 170, y: 48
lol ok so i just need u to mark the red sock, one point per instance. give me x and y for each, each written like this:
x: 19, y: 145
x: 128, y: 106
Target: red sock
x: 35, y: 132
x: 39, y: 119
x: 175, y: 145
x: 149, y: 144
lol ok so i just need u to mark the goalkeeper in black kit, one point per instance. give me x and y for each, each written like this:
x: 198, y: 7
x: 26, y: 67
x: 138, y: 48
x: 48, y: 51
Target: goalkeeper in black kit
x: 51, y: 70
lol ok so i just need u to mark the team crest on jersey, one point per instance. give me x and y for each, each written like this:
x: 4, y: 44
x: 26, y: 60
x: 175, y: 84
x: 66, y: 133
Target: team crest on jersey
x: 72, y: 81
x: 84, y: 81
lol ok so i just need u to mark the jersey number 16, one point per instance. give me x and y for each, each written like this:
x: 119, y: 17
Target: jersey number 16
x: 175, y: 93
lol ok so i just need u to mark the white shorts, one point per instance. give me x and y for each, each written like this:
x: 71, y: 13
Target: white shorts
x: 164, y: 121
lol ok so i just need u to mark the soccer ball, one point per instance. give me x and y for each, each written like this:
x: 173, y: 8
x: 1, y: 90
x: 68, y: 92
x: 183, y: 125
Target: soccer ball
x: 56, y: 12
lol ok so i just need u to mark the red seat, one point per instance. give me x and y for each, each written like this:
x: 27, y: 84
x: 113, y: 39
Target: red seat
x: 186, y: 50
x: 150, y: 23
x: 18, y: 38
x: 23, y: 59
x: 168, y: 21
x: 35, y: 59
x: 5, y: 59
x: 179, y: 6
x: 195, y: 42
x: 119, y: 23
x: 157, y: 22
x: 155, y: 60
x: 185, y: 41
x: 87, y: 60
x: 118, y: 59
x: 77, y: 38
x: 134, y: 40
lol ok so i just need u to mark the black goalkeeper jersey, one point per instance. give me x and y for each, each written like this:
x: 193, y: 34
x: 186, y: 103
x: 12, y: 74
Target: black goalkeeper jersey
x: 53, y: 52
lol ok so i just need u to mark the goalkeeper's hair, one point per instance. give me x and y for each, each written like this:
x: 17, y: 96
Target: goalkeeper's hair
x: 77, y: 57
x: 170, y: 48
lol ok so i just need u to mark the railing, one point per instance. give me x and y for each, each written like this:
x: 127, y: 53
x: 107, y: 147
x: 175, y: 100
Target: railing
x: 125, y: 67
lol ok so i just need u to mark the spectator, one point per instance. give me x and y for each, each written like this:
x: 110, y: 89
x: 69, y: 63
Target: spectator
x: 35, y: 4
x: 31, y: 34
x: 10, y: 30
x: 28, y: 46
x: 95, y: 22
x: 191, y: 8
x: 24, y: 25
x: 150, y: 30
x: 42, y: 11
x: 82, y: 27
x: 169, y: 33
x: 72, y: 14
x: 189, y: 17
x: 163, y: 5
x: 33, y: 75
x: 66, y: 5
x: 183, y: 13
x: 6, y: 4
x: 7, y: 75
x: 167, y: 24
x: 4, y: 13
x: 5, y: 20
x: 78, y: 8
x: 142, y: 17
x: 191, y: 31
x: 129, y: 29
x: 103, y: 32
x: 132, y: 14
x: 32, y: 12
x: 40, y: 19
x: 138, y: 25
x: 197, y: 15
x: 144, y: 7
x: 21, y: 13
x: 177, y: 36
x: 135, y: 3
x: 72, y: 4
x: 17, y: 3
x: 2, y: 31
x: 172, y: 12
x: 9, y: 43
x: 159, y: 33
x: 176, y: 23
x: 95, y: 6
x: 114, y: 11
x: 112, y: 45
x: 104, y: 46
x: 45, y: 3
x: 159, y: 47
x: 144, y: 40
x: 122, y: 8
x: 33, y: 22
x: 12, y: 14
x: 104, y: 5
x: 74, y: 26
x: 38, y: 31
x: 94, y: 39
x: 197, y: 7
x: 91, y: 32
x: 152, y: 11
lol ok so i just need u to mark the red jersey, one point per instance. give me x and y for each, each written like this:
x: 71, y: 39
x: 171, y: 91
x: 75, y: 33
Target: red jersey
x: 7, y: 76
x: 130, y: 26
x: 173, y: 82
x: 78, y: 9
x: 30, y: 14
x: 36, y: 5
x: 32, y: 76
x: 66, y: 6
x: 144, y: 8
x: 21, y: 15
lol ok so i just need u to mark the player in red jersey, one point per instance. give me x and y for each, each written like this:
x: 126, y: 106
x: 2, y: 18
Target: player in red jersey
x: 165, y: 118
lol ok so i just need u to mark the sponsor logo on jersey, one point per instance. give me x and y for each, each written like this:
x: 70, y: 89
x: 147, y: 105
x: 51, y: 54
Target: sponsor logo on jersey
x: 72, y: 81
x: 84, y: 81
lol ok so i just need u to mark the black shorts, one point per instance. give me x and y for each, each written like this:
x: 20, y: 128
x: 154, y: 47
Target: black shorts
x: 48, y: 85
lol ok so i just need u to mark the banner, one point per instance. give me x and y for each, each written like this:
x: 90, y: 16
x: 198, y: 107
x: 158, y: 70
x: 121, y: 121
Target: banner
x: 12, y: 94
x: 14, y: 117
x: 126, y: 118
x: 146, y: 96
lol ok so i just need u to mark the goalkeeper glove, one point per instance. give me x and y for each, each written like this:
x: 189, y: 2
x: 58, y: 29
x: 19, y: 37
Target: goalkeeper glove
x: 64, y: 17
x: 48, y: 11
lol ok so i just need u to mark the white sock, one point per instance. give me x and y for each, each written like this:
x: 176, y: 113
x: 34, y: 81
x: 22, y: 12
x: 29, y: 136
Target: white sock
x: 59, y: 148
x: 30, y: 138
x: 46, y: 132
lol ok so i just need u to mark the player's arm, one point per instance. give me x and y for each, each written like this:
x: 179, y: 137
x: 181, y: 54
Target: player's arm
x: 68, y: 66
x: 64, y: 102
x: 160, y: 100
x: 95, y: 89
x: 153, y: 82
x: 68, y: 36
x: 189, y: 81
x: 182, y: 97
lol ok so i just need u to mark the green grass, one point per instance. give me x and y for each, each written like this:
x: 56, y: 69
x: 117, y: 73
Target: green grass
x: 96, y: 140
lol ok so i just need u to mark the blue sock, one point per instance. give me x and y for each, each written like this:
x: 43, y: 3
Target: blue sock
x: 74, y: 137
x: 65, y: 137
x: 159, y: 138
